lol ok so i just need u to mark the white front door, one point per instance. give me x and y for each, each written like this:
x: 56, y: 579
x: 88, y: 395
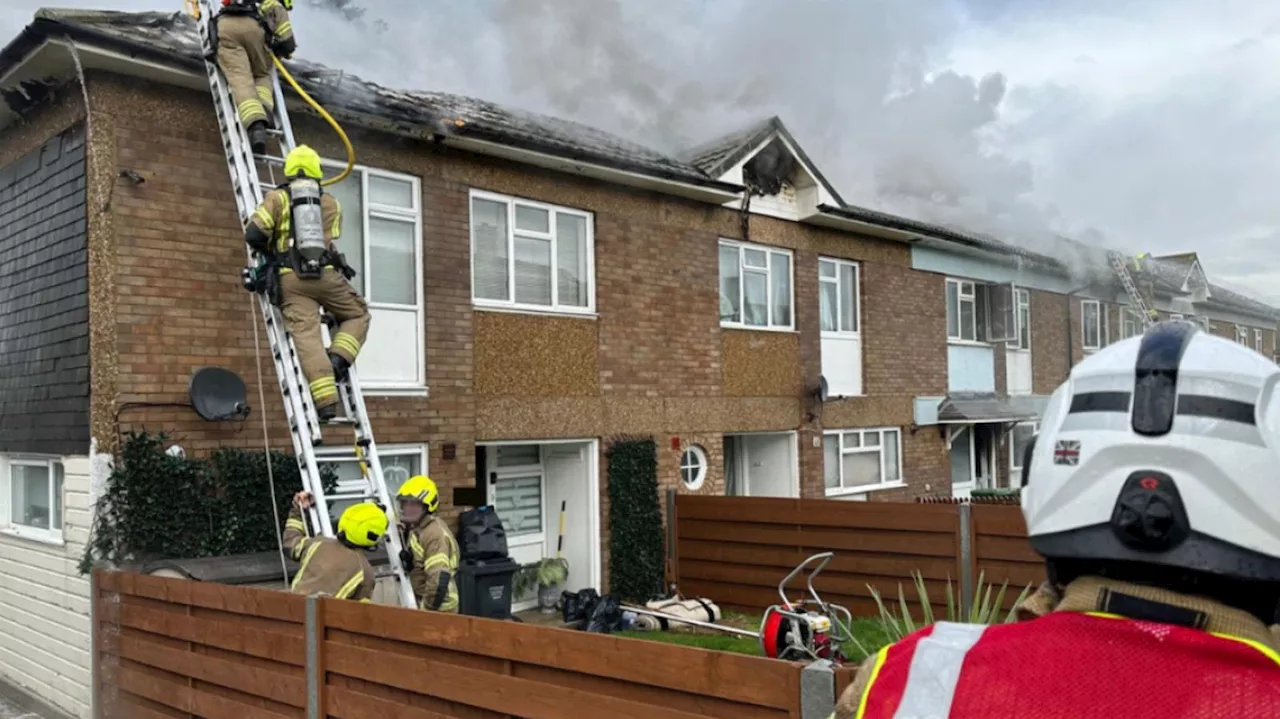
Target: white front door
x: 517, y: 484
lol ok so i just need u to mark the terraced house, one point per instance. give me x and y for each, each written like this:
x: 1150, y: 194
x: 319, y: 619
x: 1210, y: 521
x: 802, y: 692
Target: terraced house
x: 537, y: 288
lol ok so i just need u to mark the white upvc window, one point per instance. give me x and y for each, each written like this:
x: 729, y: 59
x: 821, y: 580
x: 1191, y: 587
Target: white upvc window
x: 32, y: 489
x: 756, y: 286
x: 1242, y: 335
x: 840, y: 317
x: 856, y: 461
x: 983, y: 312
x: 1018, y: 439
x: 382, y: 241
x: 962, y: 311
x: 1203, y: 321
x: 1022, y: 320
x: 1257, y: 340
x: 1094, y: 331
x: 531, y: 256
x: 1130, y: 323
x: 399, y: 463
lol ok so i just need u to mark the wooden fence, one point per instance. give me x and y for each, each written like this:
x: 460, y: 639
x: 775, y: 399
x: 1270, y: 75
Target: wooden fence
x: 178, y: 648
x: 735, y: 550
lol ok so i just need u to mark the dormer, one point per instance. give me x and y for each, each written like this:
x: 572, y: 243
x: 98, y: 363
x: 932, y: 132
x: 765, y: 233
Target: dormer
x: 1193, y: 281
x: 768, y: 161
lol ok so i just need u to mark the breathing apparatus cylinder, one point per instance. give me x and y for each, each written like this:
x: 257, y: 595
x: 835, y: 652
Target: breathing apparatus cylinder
x: 307, y: 222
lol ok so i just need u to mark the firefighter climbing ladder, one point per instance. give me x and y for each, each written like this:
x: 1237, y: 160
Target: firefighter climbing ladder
x: 304, y: 427
x: 1120, y: 264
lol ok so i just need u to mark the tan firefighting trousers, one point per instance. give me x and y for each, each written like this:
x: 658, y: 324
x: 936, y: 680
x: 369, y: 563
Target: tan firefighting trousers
x: 301, y: 300
x: 245, y: 58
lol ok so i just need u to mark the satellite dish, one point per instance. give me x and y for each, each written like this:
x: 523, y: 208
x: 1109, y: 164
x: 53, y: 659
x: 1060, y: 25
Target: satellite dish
x: 218, y: 394
x: 822, y: 388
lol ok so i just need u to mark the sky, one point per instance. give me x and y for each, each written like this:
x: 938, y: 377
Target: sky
x: 1153, y: 125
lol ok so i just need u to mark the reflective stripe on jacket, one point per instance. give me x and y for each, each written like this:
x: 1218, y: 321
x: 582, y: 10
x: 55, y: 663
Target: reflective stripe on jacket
x: 274, y: 216
x: 1069, y: 664
x: 326, y: 565
x: 435, y: 565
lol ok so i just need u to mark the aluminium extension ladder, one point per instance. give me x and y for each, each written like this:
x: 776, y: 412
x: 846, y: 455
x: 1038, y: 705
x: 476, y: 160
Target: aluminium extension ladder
x: 299, y: 408
x: 1120, y: 264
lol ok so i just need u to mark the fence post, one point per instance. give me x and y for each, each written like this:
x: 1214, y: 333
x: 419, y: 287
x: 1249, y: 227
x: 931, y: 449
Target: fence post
x: 966, y: 558
x: 673, y: 568
x: 817, y: 690
x: 315, y: 665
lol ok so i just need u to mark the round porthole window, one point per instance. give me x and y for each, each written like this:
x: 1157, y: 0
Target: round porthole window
x: 693, y: 467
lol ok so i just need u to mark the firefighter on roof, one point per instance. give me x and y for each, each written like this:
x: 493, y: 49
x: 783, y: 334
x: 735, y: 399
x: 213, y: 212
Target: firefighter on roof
x: 297, y: 224
x: 247, y: 32
x: 1152, y: 492
x: 431, y: 549
x: 336, y: 567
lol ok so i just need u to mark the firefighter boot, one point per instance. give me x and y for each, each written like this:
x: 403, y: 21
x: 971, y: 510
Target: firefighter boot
x: 258, y: 137
x: 327, y: 412
x: 340, y: 366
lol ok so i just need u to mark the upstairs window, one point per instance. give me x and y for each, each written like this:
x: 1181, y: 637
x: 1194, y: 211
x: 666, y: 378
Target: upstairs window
x: 529, y: 255
x: 755, y: 286
x: 981, y: 312
x: 1094, y: 331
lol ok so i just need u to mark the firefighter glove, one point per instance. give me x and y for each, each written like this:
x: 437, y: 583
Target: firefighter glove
x: 406, y: 558
x: 285, y: 48
x: 256, y: 239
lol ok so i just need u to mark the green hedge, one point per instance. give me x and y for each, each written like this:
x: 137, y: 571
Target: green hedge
x: 635, y: 520
x: 156, y: 506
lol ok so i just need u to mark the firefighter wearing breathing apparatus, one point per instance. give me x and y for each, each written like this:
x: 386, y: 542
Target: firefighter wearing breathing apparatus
x: 245, y: 34
x: 431, y: 551
x: 1151, y: 492
x: 296, y: 226
x: 337, y: 567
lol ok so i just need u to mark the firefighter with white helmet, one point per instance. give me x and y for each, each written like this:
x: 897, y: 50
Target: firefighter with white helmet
x: 1153, y: 492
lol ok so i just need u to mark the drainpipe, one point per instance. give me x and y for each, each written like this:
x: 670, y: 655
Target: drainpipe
x: 1071, y: 355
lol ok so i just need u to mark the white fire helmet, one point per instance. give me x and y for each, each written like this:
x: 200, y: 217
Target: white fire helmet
x: 1162, y: 449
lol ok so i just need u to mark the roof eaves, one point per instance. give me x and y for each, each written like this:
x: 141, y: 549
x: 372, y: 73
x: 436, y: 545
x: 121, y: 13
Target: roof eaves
x: 942, y: 233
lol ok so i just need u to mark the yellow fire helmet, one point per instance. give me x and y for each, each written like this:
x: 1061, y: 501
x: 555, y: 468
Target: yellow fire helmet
x: 422, y: 489
x: 302, y: 160
x: 363, y: 524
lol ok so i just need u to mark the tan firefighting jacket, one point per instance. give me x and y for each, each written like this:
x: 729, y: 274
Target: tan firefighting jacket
x: 273, y: 217
x: 1086, y: 595
x: 328, y: 566
x: 435, y: 565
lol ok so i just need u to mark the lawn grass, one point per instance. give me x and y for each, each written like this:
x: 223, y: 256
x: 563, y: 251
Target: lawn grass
x: 868, y: 632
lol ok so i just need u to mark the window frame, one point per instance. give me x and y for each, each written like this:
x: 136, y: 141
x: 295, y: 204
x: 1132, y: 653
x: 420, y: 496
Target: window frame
x: 391, y: 213
x: 347, y: 454
x: 1019, y: 294
x: 1103, y: 330
x: 961, y: 298
x: 848, y: 491
x: 856, y: 298
x: 54, y: 465
x: 700, y: 478
x: 1242, y: 335
x: 1128, y: 316
x: 769, y: 251
x: 1015, y: 461
x: 511, y: 305
x: 1257, y: 340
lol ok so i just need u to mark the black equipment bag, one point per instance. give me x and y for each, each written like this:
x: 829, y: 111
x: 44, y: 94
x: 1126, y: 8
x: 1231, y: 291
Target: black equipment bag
x: 481, y: 535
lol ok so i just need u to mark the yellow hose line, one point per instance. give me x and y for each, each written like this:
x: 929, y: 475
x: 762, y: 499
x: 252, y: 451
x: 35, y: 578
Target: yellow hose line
x: 351, y: 153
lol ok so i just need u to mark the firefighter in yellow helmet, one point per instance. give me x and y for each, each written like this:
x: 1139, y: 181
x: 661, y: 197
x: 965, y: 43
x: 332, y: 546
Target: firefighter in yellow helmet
x: 297, y: 224
x: 245, y: 34
x: 337, y: 567
x: 431, y: 552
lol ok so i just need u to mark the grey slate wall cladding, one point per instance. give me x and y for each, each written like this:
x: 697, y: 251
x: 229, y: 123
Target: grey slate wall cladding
x: 44, y: 300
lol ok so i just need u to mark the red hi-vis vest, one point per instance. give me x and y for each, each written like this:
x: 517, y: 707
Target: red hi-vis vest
x: 1067, y: 665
